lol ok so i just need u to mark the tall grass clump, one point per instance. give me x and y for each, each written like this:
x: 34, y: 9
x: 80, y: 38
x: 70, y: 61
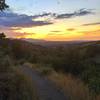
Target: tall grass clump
x: 74, y: 88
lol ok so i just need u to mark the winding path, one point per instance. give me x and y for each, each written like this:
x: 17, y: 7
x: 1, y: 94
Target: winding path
x: 46, y: 89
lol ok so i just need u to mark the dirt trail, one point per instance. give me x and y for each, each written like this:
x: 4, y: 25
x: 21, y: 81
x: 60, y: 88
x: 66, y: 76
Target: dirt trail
x: 46, y: 89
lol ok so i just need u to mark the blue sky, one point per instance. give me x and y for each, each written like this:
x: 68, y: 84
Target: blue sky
x: 58, y: 6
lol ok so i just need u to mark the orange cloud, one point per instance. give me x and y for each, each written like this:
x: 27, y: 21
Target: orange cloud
x: 71, y: 29
x: 15, y: 28
x: 96, y: 32
x: 23, y: 35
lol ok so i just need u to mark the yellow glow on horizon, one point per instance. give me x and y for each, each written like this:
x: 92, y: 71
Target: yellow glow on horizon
x: 60, y: 31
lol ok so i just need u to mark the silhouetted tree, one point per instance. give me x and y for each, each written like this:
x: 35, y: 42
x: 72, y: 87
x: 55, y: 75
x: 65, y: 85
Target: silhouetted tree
x: 3, y: 5
x: 2, y: 36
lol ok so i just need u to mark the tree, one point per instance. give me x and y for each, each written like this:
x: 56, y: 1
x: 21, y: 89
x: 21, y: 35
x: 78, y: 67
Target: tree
x: 3, y: 5
x: 2, y: 35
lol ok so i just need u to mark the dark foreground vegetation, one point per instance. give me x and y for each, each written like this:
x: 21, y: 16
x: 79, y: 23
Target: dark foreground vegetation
x: 13, y: 85
x: 81, y: 61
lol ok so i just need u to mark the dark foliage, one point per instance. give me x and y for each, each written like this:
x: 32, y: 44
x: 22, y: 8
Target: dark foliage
x: 2, y: 36
x: 81, y: 60
x: 13, y: 85
x: 3, y: 5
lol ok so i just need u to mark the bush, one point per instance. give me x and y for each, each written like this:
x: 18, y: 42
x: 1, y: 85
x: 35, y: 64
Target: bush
x: 91, y: 76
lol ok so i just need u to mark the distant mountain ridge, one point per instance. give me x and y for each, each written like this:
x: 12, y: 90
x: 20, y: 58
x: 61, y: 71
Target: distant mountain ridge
x: 58, y: 43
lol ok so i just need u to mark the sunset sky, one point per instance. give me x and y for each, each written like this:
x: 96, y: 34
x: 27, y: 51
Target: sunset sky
x: 56, y: 20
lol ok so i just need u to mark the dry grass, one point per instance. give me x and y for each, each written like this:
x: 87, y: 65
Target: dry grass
x: 44, y: 70
x: 29, y: 89
x: 74, y: 88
